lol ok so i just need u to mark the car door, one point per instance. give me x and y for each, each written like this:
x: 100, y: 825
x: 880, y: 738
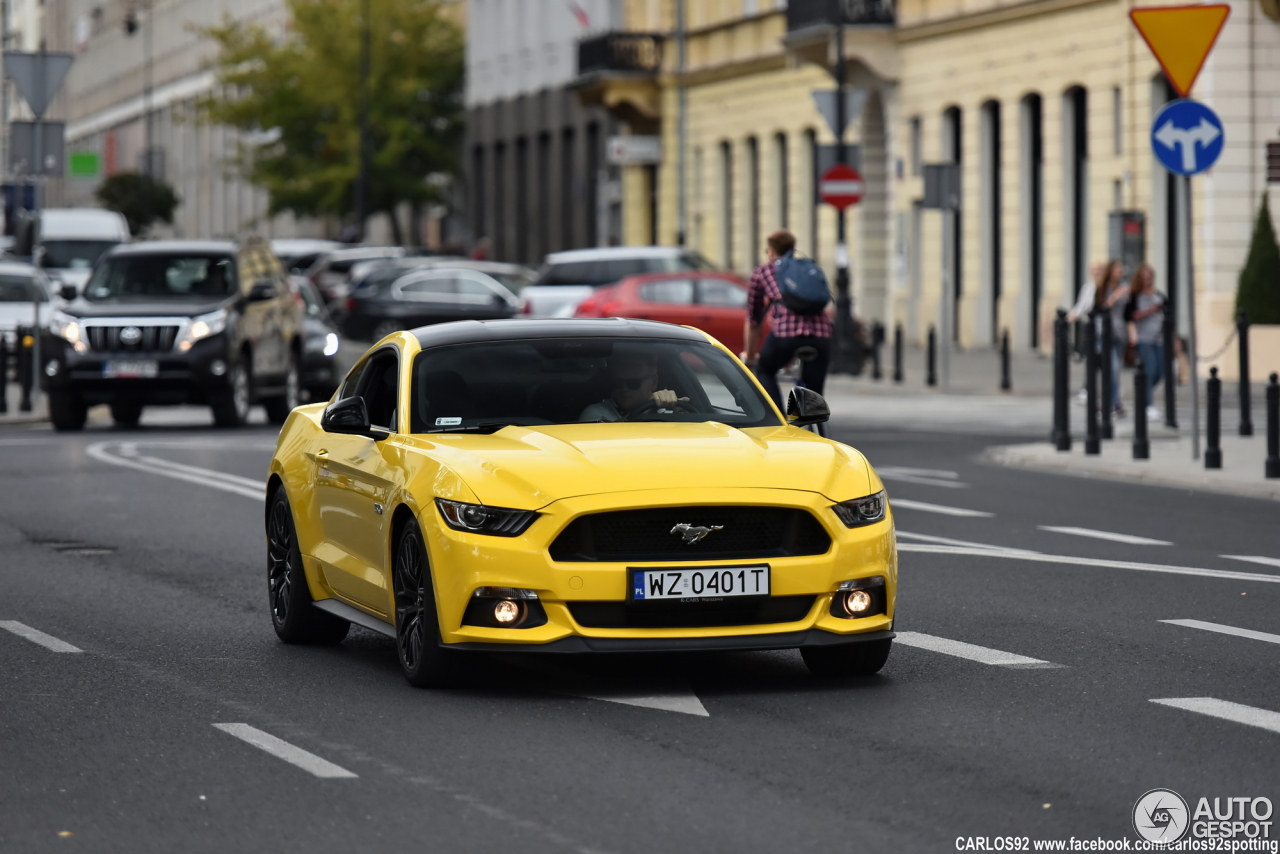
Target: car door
x: 259, y: 316
x: 354, y: 482
x: 667, y: 300
x: 722, y: 307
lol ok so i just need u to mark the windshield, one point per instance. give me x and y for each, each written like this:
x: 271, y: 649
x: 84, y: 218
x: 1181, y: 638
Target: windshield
x: 21, y: 289
x: 483, y: 387
x: 608, y: 271
x: 73, y: 254
x: 163, y: 276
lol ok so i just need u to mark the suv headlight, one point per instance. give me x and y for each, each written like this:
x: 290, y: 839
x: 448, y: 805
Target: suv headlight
x: 862, y: 511
x: 479, y: 519
x: 68, y: 328
x: 202, y: 327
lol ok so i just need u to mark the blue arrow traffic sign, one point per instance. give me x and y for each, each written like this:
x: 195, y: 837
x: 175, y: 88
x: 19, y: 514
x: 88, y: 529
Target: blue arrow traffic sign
x: 1187, y: 137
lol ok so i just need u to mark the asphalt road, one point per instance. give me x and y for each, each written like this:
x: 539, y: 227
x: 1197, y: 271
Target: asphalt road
x: 1018, y: 700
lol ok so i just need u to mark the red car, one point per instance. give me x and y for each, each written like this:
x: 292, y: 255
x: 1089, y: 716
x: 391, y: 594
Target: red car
x: 716, y: 303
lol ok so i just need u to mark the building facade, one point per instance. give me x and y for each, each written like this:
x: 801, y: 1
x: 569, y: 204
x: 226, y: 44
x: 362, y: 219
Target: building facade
x: 1045, y: 105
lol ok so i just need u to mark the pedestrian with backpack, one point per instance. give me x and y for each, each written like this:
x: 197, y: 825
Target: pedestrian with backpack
x: 795, y: 295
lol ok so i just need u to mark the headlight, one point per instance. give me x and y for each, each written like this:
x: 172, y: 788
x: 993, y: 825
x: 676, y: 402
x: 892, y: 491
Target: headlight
x: 202, y: 327
x: 330, y: 344
x: 862, y: 511
x: 68, y: 329
x: 479, y: 519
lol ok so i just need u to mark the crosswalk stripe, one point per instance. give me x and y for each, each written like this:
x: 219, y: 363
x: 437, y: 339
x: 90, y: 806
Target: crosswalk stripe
x: 1227, y: 711
x: 36, y: 636
x: 1105, y: 535
x: 282, y: 749
x: 924, y: 506
x: 1225, y: 630
x: 980, y: 654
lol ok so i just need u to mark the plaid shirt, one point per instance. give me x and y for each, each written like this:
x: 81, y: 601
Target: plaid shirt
x: 765, y: 295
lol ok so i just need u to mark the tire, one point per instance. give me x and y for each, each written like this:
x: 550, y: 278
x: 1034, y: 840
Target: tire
x: 292, y: 614
x: 231, y: 405
x: 279, y: 407
x: 126, y: 413
x: 425, y: 663
x: 385, y: 328
x: 67, y: 411
x: 854, y: 659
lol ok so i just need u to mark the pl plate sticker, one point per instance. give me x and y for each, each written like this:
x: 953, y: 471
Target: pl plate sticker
x: 448, y: 422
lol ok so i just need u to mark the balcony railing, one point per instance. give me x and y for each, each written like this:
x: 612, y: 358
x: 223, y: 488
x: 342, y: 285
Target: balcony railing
x: 811, y: 13
x: 620, y: 52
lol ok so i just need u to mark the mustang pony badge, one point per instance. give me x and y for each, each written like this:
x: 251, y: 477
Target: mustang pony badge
x: 694, y: 533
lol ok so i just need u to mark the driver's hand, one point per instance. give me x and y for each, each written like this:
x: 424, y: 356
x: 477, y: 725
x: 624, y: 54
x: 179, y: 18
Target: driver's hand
x: 666, y: 397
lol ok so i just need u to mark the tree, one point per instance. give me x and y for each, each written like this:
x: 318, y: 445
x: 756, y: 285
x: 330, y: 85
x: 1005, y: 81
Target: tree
x: 140, y: 199
x: 1258, y: 292
x: 297, y: 98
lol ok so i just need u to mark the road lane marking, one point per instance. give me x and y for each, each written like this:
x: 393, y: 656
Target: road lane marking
x: 1225, y: 630
x: 37, y: 636
x: 907, y: 504
x: 964, y: 543
x: 686, y: 703
x: 928, y: 477
x: 1105, y: 535
x: 1227, y: 711
x: 127, y: 457
x: 1265, y: 561
x: 927, y: 548
x: 280, y: 749
x: 980, y: 654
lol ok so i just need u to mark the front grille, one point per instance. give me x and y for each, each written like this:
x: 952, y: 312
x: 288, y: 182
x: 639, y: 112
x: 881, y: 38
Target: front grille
x: 690, y: 615
x: 745, y: 533
x: 153, y: 339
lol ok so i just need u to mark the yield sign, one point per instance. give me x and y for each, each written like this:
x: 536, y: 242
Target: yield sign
x: 38, y: 76
x: 1181, y: 38
x: 841, y: 186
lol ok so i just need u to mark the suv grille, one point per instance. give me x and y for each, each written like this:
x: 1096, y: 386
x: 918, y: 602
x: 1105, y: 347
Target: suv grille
x: 690, y: 615
x: 152, y: 339
x: 645, y: 535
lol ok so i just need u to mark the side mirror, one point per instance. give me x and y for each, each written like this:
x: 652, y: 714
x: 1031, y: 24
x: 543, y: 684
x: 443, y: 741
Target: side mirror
x: 261, y: 291
x: 805, y: 407
x: 349, y: 415
x: 68, y: 292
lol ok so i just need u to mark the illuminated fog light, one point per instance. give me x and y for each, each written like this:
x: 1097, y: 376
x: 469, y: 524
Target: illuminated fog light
x: 505, y: 611
x: 52, y: 368
x: 217, y: 367
x: 857, y: 601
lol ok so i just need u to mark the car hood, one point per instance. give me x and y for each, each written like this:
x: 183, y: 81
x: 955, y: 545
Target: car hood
x: 145, y: 308
x: 528, y: 468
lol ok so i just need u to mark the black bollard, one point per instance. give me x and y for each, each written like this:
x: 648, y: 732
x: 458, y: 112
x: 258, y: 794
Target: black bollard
x: 877, y: 338
x: 1213, y: 441
x: 1141, y: 447
x: 1246, y: 397
x: 1170, y: 371
x: 1273, y: 427
x: 1092, y: 440
x: 932, y: 369
x: 1108, y: 381
x: 1061, y: 382
x: 24, y: 343
x: 4, y: 374
x: 897, y: 353
x: 1006, y: 382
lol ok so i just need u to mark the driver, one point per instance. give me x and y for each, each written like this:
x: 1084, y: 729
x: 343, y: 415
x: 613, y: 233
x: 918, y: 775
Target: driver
x: 634, y: 380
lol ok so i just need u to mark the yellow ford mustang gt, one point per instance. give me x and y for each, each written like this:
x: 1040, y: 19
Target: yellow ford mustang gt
x: 564, y: 486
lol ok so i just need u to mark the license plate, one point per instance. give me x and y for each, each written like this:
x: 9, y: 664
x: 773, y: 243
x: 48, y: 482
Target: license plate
x: 706, y: 582
x: 141, y: 368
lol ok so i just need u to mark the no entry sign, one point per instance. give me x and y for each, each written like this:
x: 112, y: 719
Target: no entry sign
x: 841, y: 186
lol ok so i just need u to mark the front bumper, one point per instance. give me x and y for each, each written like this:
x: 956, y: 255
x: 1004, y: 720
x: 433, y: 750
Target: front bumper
x: 182, y: 377
x: 462, y: 562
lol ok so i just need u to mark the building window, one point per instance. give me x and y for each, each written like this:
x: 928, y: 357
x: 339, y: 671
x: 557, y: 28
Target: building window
x: 917, y: 145
x: 478, y: 185
x: 952, y: 152
x: 1075, y: 161
x: 753, y: 199
x: 569, y: 184
x: 726, y: 204
x: 1033, y: 209
x: 811, y: 188
x: 991, y: 203
x: 784, y: 183
x: 1117, y: 121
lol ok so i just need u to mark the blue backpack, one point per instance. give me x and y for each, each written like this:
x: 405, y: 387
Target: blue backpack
x: 803, y: 284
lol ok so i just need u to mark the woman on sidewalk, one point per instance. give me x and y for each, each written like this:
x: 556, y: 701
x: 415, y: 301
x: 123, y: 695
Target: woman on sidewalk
x: 1107, y: 293
x: 1146, y: 324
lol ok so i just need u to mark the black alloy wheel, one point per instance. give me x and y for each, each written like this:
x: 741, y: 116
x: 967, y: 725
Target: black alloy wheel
x: 279, y: 407
x: 854, y: 659
x: 126, y: 413
x: 292, y: 614
x: 67, y: 411
x: 424, y: 662
x: 231, y: 404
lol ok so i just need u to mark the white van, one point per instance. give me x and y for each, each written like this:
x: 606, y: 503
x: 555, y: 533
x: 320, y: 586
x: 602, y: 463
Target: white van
x: 67, y: 242
x: 567, y: 278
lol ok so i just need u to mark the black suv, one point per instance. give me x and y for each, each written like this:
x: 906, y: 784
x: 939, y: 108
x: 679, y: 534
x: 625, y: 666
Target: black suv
x: 171, y: 322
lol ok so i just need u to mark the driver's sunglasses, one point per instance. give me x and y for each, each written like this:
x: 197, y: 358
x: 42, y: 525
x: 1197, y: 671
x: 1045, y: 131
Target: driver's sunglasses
x: 632, y: 383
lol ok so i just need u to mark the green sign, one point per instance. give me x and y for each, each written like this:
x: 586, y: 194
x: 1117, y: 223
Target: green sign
x: 84, y: 164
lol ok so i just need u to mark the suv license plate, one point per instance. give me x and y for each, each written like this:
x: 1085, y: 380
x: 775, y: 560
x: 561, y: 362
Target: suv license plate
x: 706, y: 582
x: 142, y: 368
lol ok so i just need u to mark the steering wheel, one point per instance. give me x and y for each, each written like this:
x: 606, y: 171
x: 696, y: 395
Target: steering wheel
x: 651, y: 405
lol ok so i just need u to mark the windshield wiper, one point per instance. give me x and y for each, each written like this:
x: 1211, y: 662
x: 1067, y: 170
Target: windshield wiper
x: 482, y: 427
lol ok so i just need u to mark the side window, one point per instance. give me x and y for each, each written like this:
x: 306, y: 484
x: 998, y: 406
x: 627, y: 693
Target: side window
x: 380, y: 388
x: 718, y: 292
x: 433, y: 288
x: 351, y: 385
x: 678, y: 292
x: 475, y: 291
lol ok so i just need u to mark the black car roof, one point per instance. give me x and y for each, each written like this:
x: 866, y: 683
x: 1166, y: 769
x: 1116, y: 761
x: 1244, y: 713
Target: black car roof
x: 477, y: 331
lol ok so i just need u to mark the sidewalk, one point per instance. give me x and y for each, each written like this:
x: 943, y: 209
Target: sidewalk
x: 38, y: 414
